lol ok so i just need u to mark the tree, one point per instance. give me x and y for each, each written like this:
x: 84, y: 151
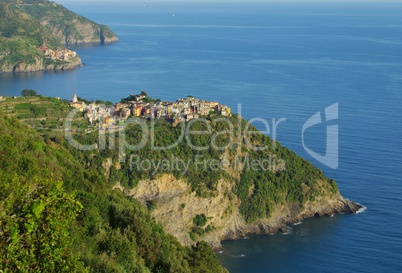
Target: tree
x: 84, y: 100
x: 34, y: 227
x: 143, y: 93
x: 203, y: 259
x: 28, y: 93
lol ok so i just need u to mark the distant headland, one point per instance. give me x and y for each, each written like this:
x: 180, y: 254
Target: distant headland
x: 34, y: 36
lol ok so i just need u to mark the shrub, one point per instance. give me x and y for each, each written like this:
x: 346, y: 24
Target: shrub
x: 200, y: 220
x: 28, y: 93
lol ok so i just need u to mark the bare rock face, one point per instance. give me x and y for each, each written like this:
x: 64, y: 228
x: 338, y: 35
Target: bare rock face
x: 110, y: 40
x: 23, y: 67
x: 38, y: 65
x: 86, y: 32
x: 177, y: 205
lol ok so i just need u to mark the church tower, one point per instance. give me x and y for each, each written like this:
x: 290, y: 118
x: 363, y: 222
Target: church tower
x: 75, y: 99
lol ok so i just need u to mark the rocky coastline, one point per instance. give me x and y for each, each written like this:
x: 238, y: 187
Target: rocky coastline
x: 39, y: 65
x: 290, y: 217
x: 175, y: 200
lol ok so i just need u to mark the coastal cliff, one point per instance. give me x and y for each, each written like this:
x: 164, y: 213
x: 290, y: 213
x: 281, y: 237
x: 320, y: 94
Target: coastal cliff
x: 175, y: 200
x: 153, y: 207
x: 68, y: 27
x: 229, y: 193
x: 41, y: 64
x: 28, y: 26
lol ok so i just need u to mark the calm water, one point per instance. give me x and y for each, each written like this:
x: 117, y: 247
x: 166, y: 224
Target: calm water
x: 278, y: 61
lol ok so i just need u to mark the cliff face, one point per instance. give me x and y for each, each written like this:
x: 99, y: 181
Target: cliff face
x: 70, y: 28
x: 38, y: 65
x: 228, y: 193
x: 177, y: 206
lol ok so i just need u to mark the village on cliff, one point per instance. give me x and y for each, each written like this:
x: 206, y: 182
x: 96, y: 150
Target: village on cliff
x: 59, y: 54
x: 141, y: 106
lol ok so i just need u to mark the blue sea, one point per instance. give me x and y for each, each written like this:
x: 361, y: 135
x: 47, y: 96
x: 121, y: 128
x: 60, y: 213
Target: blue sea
x: 278, y: 61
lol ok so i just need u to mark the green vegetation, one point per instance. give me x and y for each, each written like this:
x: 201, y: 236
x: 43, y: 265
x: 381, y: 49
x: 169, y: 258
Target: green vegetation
x: 202, y: 180
x: 152, y: 205
x: 35, y: 220
x: 40, y: 229
x: 209, y: 228
x: 115, y: 233
x: 200, y: 220
x: 132, y: 97
x: 16, y: 23
x: 18, y: 50
x: 147, y: 99
x: 286, y: 178
x: 40, y: 112
x: 102, y: 102
x: 64, y: 25
x: 197, y: 230
x: 27, y: 25
x: 85, y: 100
x: 69, y: 23
x: 20, y: 37
x: 28, y: 93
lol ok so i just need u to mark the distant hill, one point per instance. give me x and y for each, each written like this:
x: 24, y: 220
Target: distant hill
x: 27, y: 25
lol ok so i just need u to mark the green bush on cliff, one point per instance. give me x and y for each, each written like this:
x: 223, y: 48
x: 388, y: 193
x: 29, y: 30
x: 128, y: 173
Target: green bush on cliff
x: 200, y: 220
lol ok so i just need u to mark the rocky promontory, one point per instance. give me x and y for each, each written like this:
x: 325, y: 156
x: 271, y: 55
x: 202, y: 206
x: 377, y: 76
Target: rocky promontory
x: 41, y: 64
x: 27, y: 27
x: 174, y: 199
x: 214, y: 195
